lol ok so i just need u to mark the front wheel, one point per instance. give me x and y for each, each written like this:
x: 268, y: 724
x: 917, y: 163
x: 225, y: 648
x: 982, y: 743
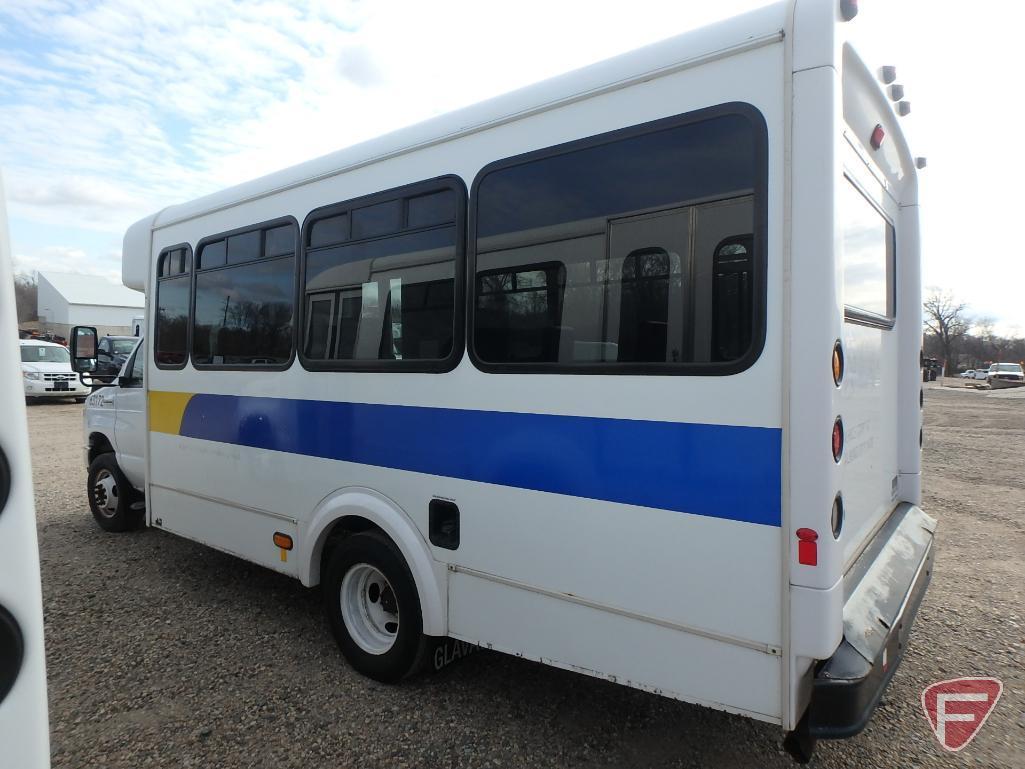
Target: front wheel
x: 111, y: 495
x: 373, y: 608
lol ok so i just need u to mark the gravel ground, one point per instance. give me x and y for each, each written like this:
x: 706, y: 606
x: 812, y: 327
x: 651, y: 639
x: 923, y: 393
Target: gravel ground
x: 162, y: 653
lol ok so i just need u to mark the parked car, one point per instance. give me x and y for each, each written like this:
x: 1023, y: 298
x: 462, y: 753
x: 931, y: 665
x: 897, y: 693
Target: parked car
x: 1002, y: 375
x: 46, y: 372
x: 969, y: 374
x: 111, y: 354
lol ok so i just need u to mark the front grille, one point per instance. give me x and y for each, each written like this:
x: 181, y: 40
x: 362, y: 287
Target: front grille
x: 60, y: 377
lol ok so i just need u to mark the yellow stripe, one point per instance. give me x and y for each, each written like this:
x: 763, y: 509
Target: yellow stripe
x: 166, y: 411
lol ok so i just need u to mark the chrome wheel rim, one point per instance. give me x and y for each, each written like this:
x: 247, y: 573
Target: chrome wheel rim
x: 369, y: 609
x: 105, y: 493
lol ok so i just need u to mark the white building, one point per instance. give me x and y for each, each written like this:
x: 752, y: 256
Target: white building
x: 67, y: 300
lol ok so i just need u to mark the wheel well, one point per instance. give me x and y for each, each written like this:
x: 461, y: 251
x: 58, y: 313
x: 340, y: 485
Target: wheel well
x: 98, y: 444
x: 343, y: 528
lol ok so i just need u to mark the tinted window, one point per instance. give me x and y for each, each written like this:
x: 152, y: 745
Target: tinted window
x: 244, y: 247
x: 388, y: 293
x: 139, y: 364
x: 868, y: 249
x: 606, y: 254
x: 212, y: 255
x: 172, y: 323
x: 333, y: 229
x: 244, y: 314
x: 436, y: 208
x: 173, y: 262
x: 377, y: 220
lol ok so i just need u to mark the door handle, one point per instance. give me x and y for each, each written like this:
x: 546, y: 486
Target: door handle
x: 106, y: 400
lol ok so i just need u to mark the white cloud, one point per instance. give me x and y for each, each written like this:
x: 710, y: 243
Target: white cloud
x: 69, y: 259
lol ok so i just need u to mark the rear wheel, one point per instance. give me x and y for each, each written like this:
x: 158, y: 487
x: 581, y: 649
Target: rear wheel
x: 111, y: 496
x: 373, y: 608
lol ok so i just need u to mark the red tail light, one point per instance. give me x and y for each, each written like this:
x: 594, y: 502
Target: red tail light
x: 807, y: 549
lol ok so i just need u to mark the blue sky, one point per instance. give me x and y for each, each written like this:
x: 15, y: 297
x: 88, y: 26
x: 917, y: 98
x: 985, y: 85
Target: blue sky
x: 113, y: 109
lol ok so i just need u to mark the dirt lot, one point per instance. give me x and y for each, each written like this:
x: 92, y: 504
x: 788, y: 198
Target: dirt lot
x: 162, y: 653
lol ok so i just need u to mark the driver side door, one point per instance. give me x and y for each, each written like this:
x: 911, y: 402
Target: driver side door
x: 129, y: 421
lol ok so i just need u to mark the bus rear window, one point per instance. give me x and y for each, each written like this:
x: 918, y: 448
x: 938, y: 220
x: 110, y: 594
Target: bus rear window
x: 868, y: 258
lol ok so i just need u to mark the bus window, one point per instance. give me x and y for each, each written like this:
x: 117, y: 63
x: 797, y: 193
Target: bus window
x: 174, y: 284
x: 244, y: 304
x: 868, y: 258
x: 628, y: 222
x: 384, y: 292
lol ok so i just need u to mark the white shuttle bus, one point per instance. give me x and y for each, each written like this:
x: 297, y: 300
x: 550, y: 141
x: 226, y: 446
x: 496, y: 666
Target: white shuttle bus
x: 618, y: 372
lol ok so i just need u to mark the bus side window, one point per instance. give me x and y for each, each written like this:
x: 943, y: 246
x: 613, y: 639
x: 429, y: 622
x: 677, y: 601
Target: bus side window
x: 633, y: 218
x: 380, y: 278
x: 732, y: 292
x: 174, y: 285
x: 244, y: 303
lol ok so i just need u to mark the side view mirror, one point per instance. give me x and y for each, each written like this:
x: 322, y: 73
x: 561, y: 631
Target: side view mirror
x: 83, y: 349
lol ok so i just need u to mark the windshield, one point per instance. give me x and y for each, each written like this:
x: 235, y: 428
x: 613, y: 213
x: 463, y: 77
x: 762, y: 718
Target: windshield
x: 124, y: 346
x: 1012, y: 368
x: 37, y: 353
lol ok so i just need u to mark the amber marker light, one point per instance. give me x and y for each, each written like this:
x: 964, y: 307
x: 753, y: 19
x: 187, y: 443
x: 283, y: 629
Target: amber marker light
x: 282, y: 540
x: 837, y: 364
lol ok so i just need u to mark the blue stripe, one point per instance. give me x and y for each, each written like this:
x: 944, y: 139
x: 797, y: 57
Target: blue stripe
x: 714, y: 470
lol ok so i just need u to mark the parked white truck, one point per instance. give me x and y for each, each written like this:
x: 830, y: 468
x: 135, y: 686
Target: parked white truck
x: 115, y: 447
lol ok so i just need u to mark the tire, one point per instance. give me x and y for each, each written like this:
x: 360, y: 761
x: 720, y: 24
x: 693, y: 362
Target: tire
x: 111, y: 496
x: 373, y: 608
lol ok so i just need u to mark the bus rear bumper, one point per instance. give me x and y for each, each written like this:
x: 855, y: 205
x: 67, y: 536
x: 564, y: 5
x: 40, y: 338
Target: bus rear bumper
x: 884, y: 589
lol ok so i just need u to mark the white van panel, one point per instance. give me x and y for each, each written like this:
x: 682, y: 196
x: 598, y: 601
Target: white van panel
x: 644, y: 655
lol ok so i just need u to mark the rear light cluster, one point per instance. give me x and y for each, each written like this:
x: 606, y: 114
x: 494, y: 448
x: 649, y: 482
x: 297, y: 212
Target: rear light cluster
x: 807, y: 539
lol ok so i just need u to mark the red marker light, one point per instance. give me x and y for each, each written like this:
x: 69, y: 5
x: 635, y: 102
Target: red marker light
x: 878, y: 134
x: 807, y: 550
x: 837, y: 440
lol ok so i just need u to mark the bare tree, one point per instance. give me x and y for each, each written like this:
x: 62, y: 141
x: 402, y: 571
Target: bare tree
x: 25, y: 292
x: 945, y: 318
